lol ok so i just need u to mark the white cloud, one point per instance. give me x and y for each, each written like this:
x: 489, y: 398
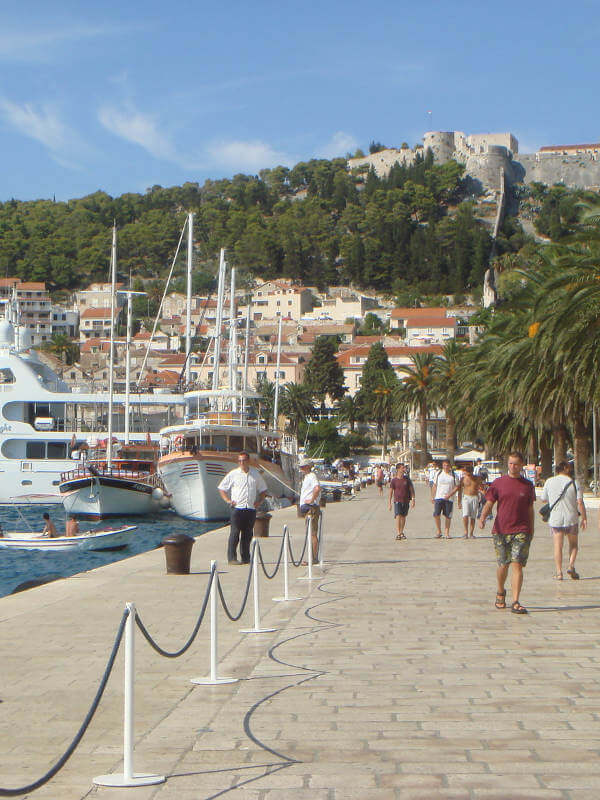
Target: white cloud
x: 44, y: 125
x: 339, y: 144
x: 247, y: 156
x: 138, y: 128
x: 35, y: 45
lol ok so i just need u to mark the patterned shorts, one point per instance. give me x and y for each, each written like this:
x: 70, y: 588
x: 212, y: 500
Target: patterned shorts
x: 512, y: 547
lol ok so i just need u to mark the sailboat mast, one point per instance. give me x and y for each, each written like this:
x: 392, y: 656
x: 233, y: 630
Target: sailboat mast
x: 188, y: 316
x: 219, y: 320
x: 276, y: 403
x: 246, y: 349
x: 232, y: 343
x: 127, y: 367
x: 111, y: 359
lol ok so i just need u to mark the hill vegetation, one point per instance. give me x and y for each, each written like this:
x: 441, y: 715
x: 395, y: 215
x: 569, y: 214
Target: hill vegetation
x: 314, y: 223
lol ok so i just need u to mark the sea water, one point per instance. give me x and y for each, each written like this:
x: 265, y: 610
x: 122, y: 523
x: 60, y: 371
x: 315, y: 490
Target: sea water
x: 18, y: 566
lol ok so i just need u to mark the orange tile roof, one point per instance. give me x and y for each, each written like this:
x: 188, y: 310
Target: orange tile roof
x: 557, y: 147
x: 96, y: 313
x: 403, y: 313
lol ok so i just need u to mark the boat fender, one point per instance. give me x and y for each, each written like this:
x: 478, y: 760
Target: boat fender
x: 157, y: 493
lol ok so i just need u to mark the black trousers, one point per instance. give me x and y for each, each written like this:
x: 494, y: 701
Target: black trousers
x: 242, y: 527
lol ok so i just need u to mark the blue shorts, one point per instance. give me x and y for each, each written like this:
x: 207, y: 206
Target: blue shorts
x: 401, y: 509
x: 444, y: 507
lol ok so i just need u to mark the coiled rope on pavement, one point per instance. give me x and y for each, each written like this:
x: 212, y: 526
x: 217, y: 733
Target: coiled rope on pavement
x: 84, y: 725
x: 176, y: 653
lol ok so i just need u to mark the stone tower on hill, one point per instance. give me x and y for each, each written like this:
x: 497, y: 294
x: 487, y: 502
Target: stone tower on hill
x: 493, y: 158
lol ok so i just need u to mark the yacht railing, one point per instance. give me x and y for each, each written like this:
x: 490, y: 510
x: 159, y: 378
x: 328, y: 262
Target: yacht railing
x: 115, y: 472
x: 230, y: 418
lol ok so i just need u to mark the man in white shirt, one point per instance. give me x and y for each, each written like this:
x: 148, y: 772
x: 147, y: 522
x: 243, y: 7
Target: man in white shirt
x: 309, y: 502
x: 244, y: 490
x: 444, y: 483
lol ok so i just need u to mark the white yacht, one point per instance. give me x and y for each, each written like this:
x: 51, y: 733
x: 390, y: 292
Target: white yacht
x: 47, y: 429
x: 196, y: 455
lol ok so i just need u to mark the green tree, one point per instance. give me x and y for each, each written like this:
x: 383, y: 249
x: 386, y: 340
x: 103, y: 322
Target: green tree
x: 416, y: 394
x: 323, y: 376
x: 296, y: 404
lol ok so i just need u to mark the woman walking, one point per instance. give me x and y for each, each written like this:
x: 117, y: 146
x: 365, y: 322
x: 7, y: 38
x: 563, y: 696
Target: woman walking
x: 566, y: 501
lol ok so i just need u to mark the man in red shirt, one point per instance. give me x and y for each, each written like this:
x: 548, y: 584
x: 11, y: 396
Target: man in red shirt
x: 513, y: 528
x: 402, y: 492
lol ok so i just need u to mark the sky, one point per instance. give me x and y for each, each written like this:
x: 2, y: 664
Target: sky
x: 120, y: 97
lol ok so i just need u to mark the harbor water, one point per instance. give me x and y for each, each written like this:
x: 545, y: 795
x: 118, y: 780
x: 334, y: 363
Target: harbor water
x: 18, y: 566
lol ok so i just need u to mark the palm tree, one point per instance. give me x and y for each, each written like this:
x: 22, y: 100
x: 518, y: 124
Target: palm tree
x: 444, y: 375
x: 350, y: 410
x: 296, y: 404
x: 383, y: 406
x: 415, y: 393
x: 266, y: 389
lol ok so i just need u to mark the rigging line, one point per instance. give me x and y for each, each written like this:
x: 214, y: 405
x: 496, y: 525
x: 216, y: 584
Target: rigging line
x: 161, y: 305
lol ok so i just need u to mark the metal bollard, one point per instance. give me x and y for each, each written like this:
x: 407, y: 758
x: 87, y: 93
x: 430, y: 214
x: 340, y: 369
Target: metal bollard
x: 256, y: 628
x: 129, y: 777
x: 213, y: 680
x: 286, y: 597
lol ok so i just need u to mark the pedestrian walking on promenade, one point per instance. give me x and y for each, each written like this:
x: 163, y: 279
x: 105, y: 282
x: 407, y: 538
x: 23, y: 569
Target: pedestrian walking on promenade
x: 309, y: 502
x: 444, y: 482
x: 565, y: 498
x: 379, y: 479
x: 470, y: 485
x: 402, y: 492
x: 512, y: 533
x: 244, y: 489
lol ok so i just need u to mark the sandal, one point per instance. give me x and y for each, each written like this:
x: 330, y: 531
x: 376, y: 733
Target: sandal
x: 517, y: 608
x: 500, y: 599
x: 573, y: 573
x: 558, y: 576
x: 399, y: 536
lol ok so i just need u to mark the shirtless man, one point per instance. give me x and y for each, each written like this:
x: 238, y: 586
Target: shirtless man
x: 72, y: 528
x: 471, y: 488
x: 49, y: 527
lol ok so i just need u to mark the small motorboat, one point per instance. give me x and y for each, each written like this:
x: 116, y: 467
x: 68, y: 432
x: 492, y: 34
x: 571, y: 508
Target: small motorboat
x: 100, y: 539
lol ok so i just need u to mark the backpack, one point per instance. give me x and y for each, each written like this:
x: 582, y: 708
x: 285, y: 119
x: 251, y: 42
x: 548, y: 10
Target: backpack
x: 440, y: 472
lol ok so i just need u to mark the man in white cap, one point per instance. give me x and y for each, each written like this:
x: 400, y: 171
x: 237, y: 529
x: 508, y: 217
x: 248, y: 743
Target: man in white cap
x: 309, y: 502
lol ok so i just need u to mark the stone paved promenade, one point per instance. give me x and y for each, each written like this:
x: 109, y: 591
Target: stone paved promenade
x: 394, y: 677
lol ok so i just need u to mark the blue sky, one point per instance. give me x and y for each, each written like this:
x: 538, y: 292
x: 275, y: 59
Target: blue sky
x: 121, y: 96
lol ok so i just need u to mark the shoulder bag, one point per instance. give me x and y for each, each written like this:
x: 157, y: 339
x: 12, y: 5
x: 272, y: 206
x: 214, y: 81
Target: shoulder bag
x: 546, y: 509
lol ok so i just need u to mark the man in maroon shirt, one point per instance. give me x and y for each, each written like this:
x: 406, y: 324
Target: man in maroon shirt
x: 402, y: 492
x: 513, y: 528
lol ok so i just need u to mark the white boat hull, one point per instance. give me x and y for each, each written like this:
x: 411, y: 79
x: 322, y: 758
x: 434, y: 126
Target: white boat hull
x: 99, y: 498
x: 109, y: 539
x: 192, y: 484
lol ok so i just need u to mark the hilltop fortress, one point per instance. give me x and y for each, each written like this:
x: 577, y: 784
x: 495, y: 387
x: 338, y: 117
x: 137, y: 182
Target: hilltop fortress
x: 492, y: 159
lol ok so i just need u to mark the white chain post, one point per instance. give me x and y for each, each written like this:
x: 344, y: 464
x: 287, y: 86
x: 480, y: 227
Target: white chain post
x: 256, y: 628
x: 129, y: 777
x: 321, y: 547
x: 286, y: 596
x: 214, y: 679
x: 309, y: 554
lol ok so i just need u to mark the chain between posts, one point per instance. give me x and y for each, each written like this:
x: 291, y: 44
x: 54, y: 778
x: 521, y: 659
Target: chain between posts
x: 176, y: 653
x: 84, y: 725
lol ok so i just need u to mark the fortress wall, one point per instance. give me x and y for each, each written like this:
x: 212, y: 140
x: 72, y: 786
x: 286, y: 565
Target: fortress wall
x: 578, y: 171
x: 442, y: 144
x: 383, y: 161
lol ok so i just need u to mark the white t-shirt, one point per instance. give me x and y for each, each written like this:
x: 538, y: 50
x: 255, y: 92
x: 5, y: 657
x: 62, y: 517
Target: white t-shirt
x: 445, y: 483
x: 243, y: 487
x: 564, y: 512
x: 308, y: 486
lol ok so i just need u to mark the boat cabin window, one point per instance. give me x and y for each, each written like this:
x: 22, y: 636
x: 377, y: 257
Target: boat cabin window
x: 218, y: 442
x: 250, y: 444
x: 236, y: 444
x: 35, y: 450
x: 6, y: 375
x: 57, y: 450
x: 25, y: 483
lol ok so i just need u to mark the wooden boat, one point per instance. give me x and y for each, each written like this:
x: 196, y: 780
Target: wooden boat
x: 99, y: 539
